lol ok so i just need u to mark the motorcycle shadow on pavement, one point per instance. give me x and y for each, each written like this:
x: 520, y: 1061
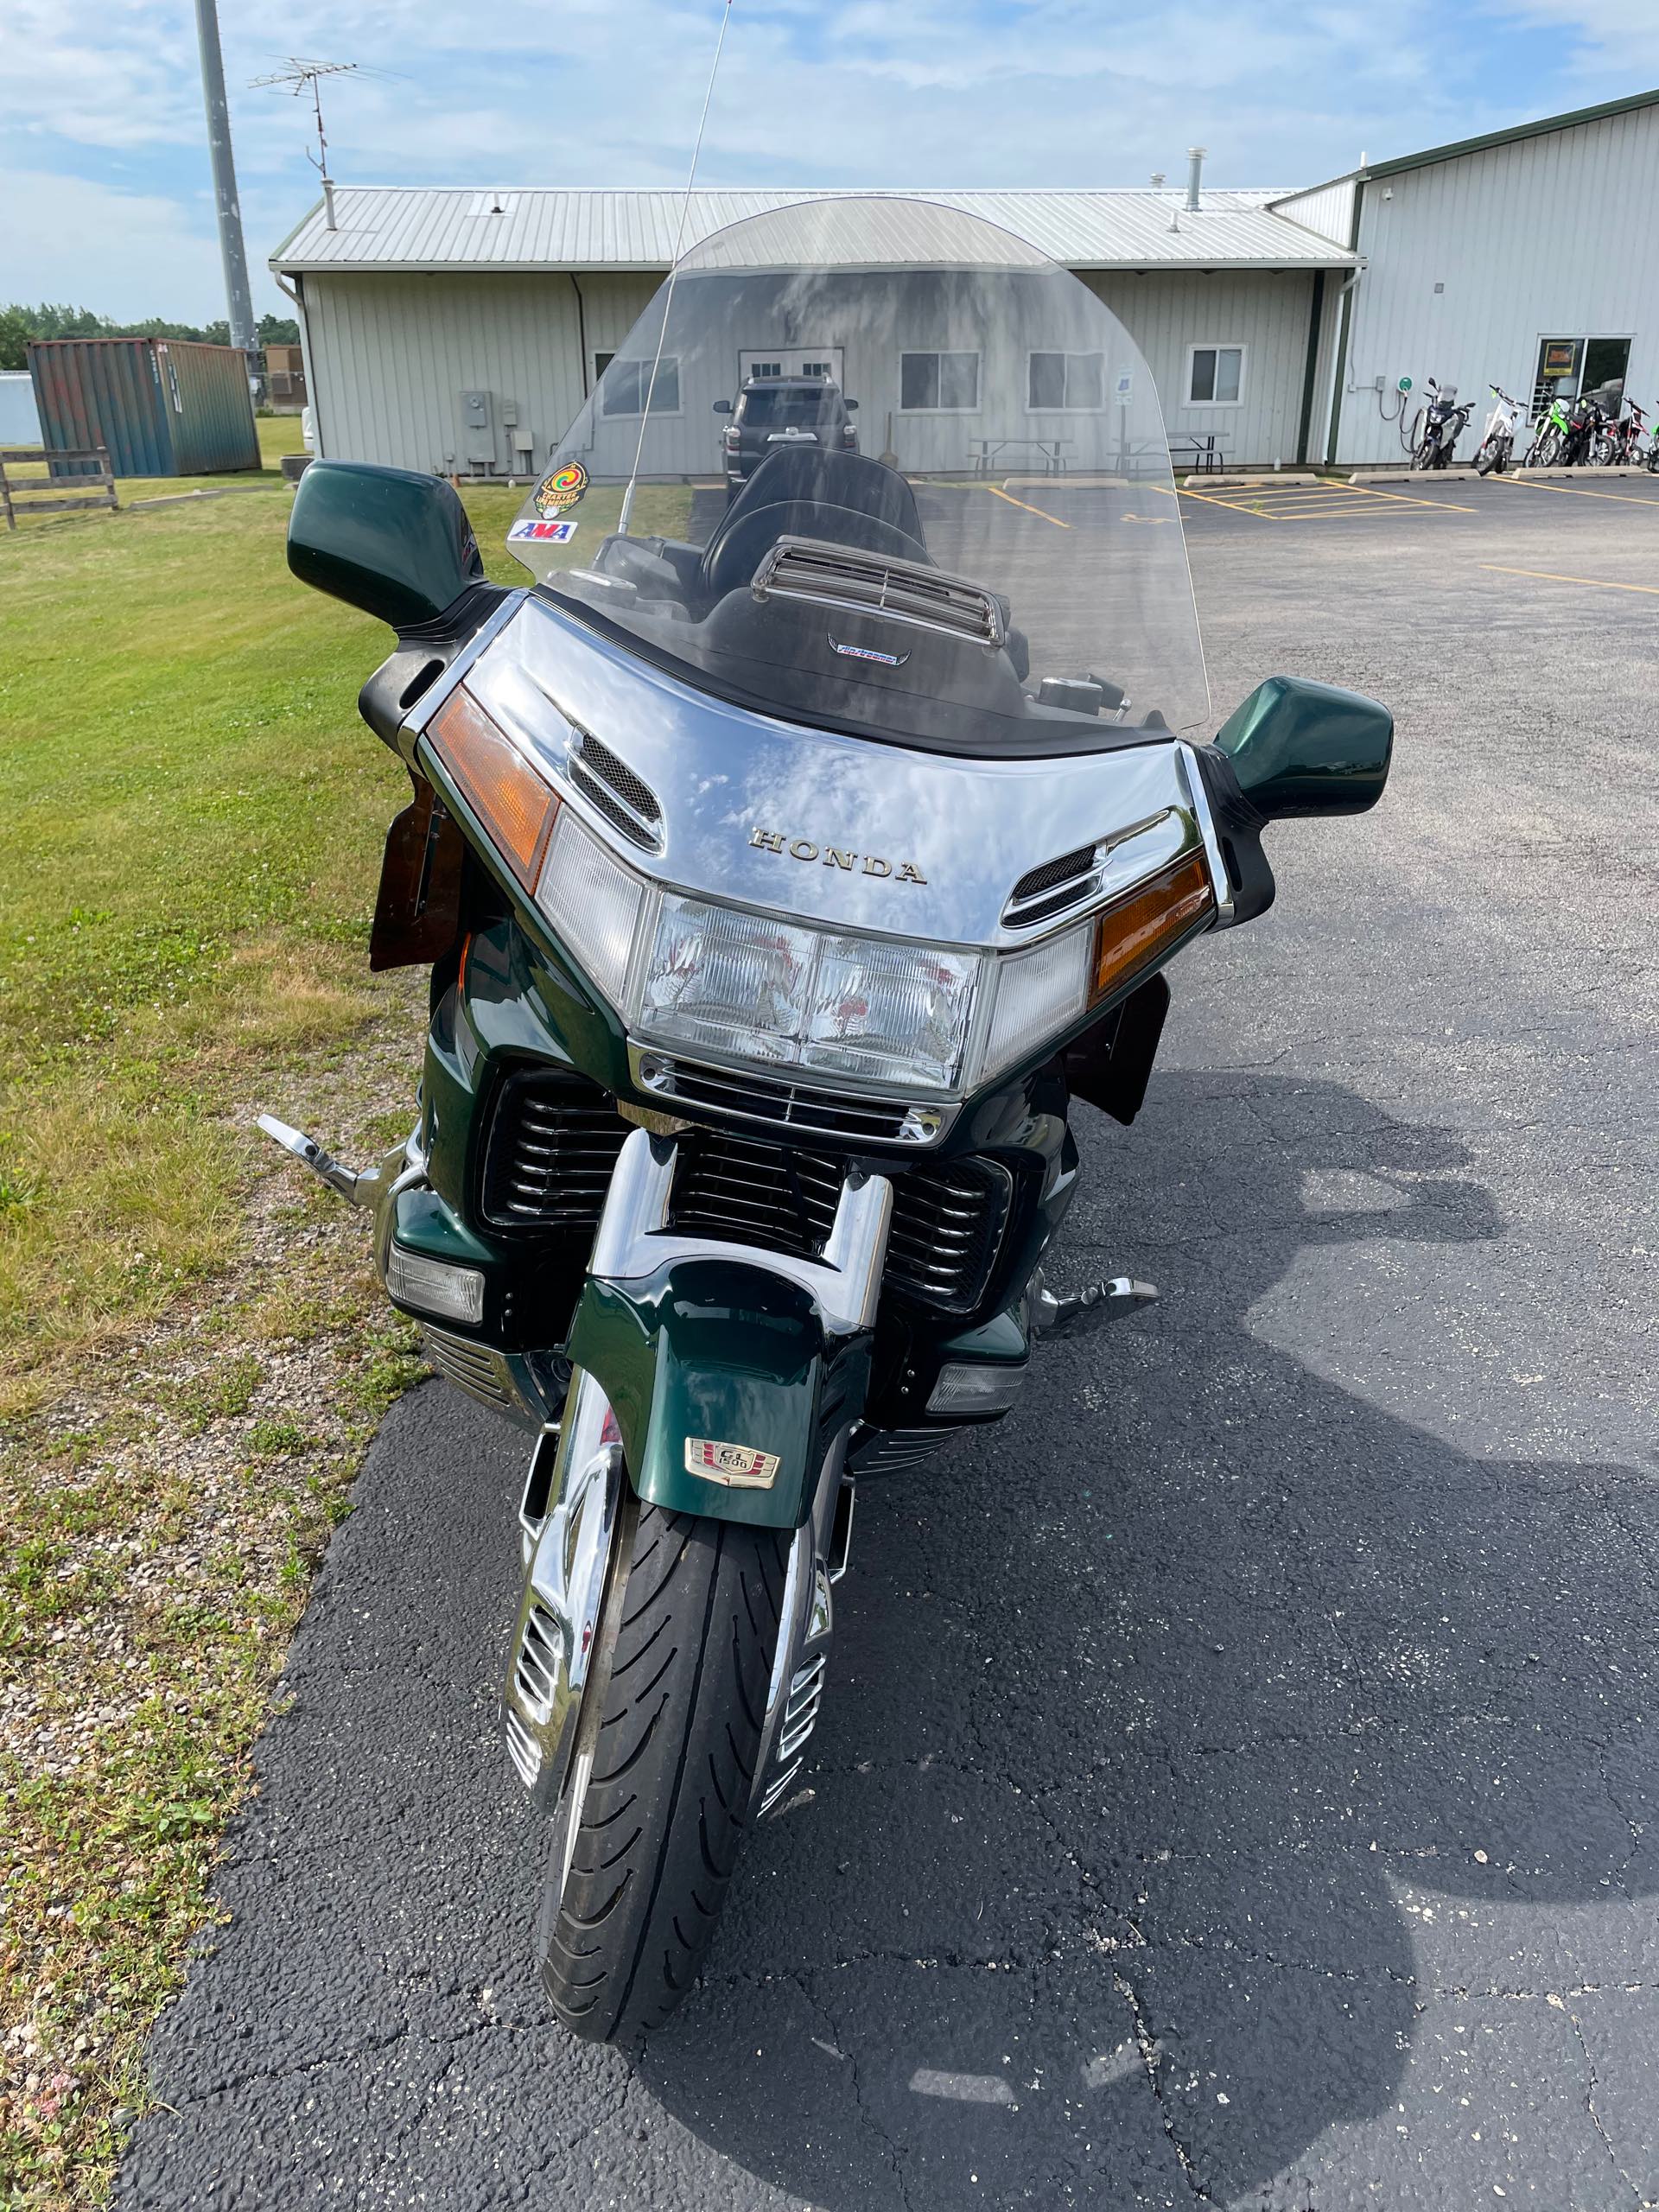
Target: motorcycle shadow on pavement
x: 1213, y: 1759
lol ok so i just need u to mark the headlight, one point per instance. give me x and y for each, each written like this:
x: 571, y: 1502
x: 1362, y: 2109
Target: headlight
x: 770, y: 991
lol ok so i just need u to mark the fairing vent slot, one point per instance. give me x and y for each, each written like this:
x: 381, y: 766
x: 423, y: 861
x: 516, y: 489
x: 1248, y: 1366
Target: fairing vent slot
x: 923, y: 598
x: 1053, y: 889
x: 550, y: 1151
x: 628, y: 803
x: 885, y: 1450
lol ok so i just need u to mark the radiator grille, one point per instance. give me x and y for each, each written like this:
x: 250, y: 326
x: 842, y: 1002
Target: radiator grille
x: 550, y: 1151
x: 753, y: 1193
x: 910, y: 592
x: 947, y: 1218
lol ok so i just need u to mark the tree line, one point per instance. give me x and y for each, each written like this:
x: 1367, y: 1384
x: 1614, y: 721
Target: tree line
x: 18, y: 324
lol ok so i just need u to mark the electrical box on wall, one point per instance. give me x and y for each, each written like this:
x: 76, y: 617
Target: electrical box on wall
x: 478, y: 429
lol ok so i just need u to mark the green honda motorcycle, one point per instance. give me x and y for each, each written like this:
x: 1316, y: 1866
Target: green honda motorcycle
x: 786, y: 869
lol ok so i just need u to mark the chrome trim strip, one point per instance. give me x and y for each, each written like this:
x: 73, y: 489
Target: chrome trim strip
x: 634, y: 1240
x: 1220, y: 883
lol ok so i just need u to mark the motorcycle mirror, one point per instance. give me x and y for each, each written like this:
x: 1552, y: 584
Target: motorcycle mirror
x: 1300, y: 747
x: 390, y: 540
x: 722, y: 407
x: 851, y: 405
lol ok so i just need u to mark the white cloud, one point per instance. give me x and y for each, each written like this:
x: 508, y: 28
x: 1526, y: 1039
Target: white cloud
x: 123, y: 253
x: 606, y: 91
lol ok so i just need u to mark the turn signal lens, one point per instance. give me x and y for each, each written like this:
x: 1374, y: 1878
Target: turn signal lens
x: 1150, y: 923
x: 515, y: 804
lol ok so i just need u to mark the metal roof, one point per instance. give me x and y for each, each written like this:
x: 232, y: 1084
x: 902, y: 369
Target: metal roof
x: 1541, y: 129
x: 519, y: 227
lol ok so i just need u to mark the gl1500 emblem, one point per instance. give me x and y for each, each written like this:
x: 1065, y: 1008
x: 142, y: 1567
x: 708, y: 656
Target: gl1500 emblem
x: 803, y: 848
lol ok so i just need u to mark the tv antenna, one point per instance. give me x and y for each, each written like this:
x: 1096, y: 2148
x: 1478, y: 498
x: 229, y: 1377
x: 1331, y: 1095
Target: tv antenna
x: 299, y: 77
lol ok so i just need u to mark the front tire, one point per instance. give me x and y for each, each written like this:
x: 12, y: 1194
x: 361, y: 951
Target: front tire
x: 647, y: 1828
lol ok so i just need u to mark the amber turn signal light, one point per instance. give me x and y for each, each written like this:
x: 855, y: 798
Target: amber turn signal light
x: 512, y: 802
x: 1150, y: 923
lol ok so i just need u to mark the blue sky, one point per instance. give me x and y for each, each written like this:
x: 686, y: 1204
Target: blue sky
x: 104, y: 171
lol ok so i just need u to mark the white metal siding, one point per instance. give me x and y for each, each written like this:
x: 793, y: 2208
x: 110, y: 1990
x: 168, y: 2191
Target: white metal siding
x: 390, y: 355
x: 1550, y: 236
x: 1267, y: 313
x: 1328, y: 209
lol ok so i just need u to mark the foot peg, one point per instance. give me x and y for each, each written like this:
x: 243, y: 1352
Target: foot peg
x: 1089, y: 1308
x: 350, y: 1183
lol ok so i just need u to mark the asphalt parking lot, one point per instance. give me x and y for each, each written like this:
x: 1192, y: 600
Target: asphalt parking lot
x: 1236, y: 1785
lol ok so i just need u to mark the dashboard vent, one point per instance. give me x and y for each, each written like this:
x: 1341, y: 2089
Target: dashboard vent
x: 910, y: 592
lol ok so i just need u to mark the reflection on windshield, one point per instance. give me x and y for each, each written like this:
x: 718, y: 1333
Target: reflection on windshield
x: 964, y: 535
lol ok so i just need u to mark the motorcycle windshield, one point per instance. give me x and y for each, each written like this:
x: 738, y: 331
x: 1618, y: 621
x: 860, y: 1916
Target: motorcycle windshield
x: 892, y: 472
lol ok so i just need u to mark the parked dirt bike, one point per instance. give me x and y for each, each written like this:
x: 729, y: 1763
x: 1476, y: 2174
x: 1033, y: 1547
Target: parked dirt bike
x: 787, y: 873
x: 1496, y: 445
x: 1586, y: 422
x: 1619, y: 443
x: 1438, y: 427
x: 1549, y: 438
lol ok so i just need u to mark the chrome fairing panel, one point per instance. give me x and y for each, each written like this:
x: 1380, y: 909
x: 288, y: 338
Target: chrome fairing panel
x: 809, y: 823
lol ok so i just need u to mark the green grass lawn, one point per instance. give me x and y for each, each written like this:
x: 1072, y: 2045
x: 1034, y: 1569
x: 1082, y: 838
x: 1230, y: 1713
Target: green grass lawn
x: 195, y: 819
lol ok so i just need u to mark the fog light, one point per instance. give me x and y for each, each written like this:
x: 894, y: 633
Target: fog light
x: 965, y: 1388
x: 435, y: 1286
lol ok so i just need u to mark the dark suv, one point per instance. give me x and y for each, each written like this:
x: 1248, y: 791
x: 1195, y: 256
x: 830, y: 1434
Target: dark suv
x: 774, y: 411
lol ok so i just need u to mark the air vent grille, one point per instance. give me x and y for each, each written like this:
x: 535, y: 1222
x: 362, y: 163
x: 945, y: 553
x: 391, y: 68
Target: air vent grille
x: 550, y: 1152
x: 1051, y: 889
x: 479, y: 1369
x: 903, y: 591
x: 627, y: 803
x: 751, y: 1096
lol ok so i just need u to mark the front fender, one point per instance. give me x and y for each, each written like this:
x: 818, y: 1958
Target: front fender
x: 721, y: 1351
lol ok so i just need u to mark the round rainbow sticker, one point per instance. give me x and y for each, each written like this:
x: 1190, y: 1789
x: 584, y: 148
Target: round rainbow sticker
x: 561, y: 489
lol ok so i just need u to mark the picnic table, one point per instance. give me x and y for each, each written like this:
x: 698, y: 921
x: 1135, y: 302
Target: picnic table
x: 986, y: 452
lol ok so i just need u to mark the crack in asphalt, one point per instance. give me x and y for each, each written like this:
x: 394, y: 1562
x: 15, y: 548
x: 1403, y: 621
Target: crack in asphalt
x: 1151, y: 2061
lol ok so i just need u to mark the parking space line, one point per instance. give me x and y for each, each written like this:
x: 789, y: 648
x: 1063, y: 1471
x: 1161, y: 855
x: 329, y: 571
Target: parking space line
x: 997, y: 492
x: 1405, y: 499
x: 1549, y: 577
x: 1572, y: 490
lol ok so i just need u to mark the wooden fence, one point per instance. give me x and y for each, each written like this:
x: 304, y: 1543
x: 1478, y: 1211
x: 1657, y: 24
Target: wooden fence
x: 27, y: 489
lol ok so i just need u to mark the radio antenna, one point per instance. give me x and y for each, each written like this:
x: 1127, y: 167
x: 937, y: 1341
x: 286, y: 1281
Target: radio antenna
x: 673, y: 272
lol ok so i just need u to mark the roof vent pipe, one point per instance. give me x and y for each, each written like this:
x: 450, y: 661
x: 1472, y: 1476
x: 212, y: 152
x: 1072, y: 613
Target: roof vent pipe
x: 1157, y: 179
x: 328, y: 222
x: 1194, y: 172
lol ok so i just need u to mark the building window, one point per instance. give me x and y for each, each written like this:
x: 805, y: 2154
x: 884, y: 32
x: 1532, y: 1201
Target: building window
x: 939, y: 383
x: 627, y: 383
x: 601, y: 362
x: 1214, y: 376
x: 1071, y: 384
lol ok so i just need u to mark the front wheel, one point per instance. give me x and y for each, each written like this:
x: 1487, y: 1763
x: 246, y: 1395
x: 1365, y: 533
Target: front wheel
x: 647, y: 1827
x: 1493, y: 454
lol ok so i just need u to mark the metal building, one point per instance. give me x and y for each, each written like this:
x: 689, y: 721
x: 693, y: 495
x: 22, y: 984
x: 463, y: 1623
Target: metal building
x: 460, y: 331
x: 1529, y: 258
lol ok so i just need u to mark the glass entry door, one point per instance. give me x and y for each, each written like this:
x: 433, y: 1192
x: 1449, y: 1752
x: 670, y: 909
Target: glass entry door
x: 1568, y: 366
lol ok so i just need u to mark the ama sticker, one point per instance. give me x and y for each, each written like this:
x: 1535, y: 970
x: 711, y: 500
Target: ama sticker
x: 542, y: 533
x: 561, y: 489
